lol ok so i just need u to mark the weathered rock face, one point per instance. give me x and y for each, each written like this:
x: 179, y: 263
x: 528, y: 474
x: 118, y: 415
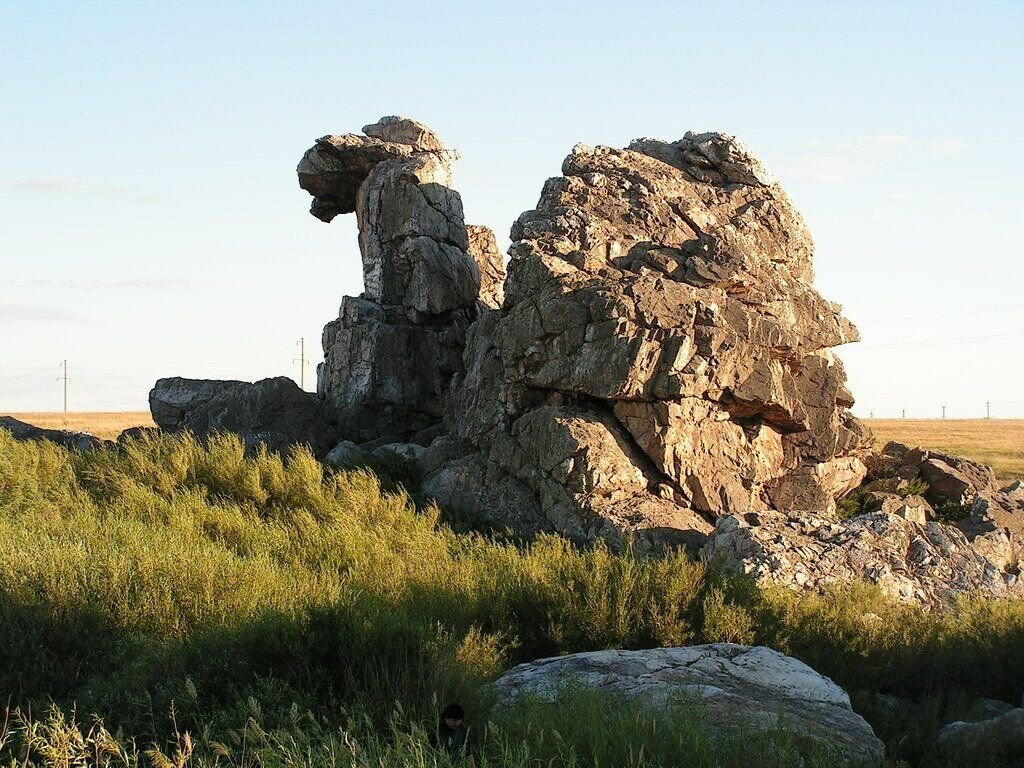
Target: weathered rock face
x: 271, y: 412
x: 736, y: 685
x: 660, y: 357
x: 75, y: 441
x: 391, y: 354
x: 927, y: 563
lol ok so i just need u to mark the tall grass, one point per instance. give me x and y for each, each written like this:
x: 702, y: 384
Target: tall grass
x: 165, y: 572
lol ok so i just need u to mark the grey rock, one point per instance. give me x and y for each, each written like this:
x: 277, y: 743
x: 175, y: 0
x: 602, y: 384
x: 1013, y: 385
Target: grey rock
x: 75, y: 441
x: 385, y: 376
x: 1007, y: 728
x: 391, y: 354
x: 736, y: 685
x: 346, y: 453
x: 929, y: 564
x: 410, y: 451
x: 273, y: 412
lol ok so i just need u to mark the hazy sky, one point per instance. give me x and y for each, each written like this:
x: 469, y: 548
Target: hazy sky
x: 151, y: 223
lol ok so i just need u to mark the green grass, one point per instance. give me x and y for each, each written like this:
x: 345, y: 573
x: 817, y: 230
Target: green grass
x: 243, y: 593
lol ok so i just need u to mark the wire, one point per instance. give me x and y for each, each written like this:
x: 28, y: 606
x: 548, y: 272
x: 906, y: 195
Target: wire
x: 943, y: 314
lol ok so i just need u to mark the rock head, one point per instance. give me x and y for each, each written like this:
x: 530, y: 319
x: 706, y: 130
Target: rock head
x: 391, y: 354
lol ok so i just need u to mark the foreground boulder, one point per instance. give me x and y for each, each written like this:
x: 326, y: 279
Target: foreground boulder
x: 75, y: 441
x: 390, y: 355
x: 660, y: 357
x: 735, y: 685
x: 273, y: 412
x: 926, y: 563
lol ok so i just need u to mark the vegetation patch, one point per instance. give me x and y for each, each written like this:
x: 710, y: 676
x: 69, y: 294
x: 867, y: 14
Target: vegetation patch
x: 172, y: 588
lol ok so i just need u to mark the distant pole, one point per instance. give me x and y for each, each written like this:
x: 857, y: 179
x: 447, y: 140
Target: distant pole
x: 988, y: 410
x: 872, y: 415
x: 943, y: 411
x: 65, y: 379
x: 904, y: 413
x: 301, y: 344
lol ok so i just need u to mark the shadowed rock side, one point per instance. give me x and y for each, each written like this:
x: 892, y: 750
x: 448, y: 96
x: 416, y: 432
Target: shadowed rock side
x: 660, y: 358
x: 272, y: 412
x: 391, y: 354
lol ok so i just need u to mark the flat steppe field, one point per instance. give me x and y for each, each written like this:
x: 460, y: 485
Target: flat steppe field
x: 996, y: 442
x: 105, y: 425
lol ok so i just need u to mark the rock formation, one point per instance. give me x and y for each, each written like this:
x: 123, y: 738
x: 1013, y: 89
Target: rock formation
x: 660, y: 357
x: 391, y: 354
x: 735, y: 686
x: 657, y: 366
x: 272, y: 412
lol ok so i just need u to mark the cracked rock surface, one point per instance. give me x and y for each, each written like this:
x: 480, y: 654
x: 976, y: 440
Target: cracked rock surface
x: 391, y: 353
x: 660, y: 358
x: 927, y: 563
x: 733, y: 685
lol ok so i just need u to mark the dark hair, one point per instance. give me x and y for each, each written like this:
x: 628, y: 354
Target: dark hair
x: 453, y: 712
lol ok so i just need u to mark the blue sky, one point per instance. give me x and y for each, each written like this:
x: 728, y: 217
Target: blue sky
x: 151, y: 223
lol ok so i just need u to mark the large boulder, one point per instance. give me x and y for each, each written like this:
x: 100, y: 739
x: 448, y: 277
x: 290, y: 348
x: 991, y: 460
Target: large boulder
x: 660, y: 357
x: 273, y: 412
x: 736, y: 686
x: 75, y: 441
x: 391, y: 354
x: 927, y: 563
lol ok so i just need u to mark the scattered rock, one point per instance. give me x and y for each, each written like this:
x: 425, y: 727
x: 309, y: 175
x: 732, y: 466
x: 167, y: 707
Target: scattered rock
x: 737, y: 686
x: 1006, y: 728
x: 136, y: 433
x: 409, y: 451
x: 272, y: 412
x: 927, y: 563
x: 75, y: 441
x: 345, y: 453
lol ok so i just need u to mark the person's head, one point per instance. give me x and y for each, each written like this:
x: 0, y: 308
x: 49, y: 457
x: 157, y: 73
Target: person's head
x: 453, y: 715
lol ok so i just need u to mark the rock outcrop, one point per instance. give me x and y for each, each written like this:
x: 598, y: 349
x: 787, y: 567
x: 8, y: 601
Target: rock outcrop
x: 660, y: 357
x: 272, y: 412
x: 391, y: 354
x: 75, y: 441
x: 927, y: 563
x: 735, y: 686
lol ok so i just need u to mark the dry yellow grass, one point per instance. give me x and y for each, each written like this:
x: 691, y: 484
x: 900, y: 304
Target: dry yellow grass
x: 996, y: 442
x: 106, y: 425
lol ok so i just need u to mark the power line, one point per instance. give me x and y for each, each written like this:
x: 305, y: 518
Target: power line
x: 939, y: 342
x: 940, y: 315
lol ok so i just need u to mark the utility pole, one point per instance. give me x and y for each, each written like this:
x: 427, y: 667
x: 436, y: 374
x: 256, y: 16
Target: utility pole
x: 988, y: 410
x: 65, y: 379
x: 302, y: 361
x: 872, y: 416
x: 904, y: 413
x: 943, y: 411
